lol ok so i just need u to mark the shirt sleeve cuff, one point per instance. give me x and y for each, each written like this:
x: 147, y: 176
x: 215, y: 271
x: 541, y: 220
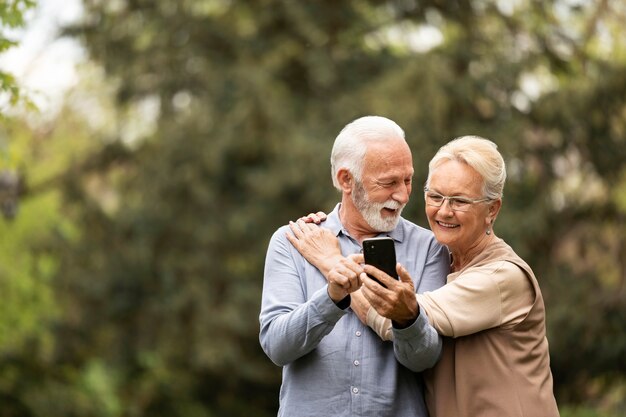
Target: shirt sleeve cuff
x: 344, y: 303
x: 328, y: 310
x: 416, y: 331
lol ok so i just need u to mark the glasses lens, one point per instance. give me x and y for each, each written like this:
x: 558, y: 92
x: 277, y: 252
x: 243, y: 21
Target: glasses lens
x: 434, y: 199
x: 456, y: 203
x: 460, y: 204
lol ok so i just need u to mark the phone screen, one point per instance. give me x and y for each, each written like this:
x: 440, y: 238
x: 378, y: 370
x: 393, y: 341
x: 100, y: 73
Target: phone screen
x: 381, y: 253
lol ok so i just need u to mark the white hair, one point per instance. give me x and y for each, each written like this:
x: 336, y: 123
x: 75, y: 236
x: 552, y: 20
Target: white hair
x: 479, y: 153
x: 351, y: 143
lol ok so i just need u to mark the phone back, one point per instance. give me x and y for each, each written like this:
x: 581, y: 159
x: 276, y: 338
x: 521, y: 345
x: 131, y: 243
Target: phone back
x: 381, y: 253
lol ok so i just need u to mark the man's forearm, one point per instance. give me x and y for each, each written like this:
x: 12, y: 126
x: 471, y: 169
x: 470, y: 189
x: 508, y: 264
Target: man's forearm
x: 418, y: 347
x: 287, y: 336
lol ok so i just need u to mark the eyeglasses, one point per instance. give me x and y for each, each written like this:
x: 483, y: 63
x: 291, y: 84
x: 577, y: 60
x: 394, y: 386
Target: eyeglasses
x: 456, y: 203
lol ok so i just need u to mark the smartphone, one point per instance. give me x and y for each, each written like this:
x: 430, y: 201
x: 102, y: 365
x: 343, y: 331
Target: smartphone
x: 381, y: 253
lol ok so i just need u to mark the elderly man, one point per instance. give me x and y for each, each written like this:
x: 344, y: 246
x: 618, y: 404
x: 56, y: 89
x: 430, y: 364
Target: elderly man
x: 333, y: 365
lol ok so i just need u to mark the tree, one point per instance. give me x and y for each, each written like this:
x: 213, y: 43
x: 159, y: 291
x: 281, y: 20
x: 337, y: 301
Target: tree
x: 11, y: 183
x: 11, y: 16
x: 239, y: 103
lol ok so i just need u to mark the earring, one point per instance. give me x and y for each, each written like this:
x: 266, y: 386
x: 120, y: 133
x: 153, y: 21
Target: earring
x: 488, y: 232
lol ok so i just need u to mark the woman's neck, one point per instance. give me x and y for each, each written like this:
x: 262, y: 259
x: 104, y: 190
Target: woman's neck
x: 462, y: 257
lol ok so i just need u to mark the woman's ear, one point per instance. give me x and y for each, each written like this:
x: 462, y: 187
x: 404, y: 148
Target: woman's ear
x: 494, y: 209
x: 345, y: 179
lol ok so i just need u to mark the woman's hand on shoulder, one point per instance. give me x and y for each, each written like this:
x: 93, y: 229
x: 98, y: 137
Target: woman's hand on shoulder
x: 316, y: 218
x: 317, y: 244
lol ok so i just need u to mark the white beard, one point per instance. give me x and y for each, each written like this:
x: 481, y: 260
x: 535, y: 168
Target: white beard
x: 371, y: 211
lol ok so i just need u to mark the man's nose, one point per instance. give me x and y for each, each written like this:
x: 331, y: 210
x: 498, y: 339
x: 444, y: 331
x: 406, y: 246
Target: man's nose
x: 402, y: 193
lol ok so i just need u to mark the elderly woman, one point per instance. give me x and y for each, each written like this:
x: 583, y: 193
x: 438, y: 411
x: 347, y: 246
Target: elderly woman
x: 495, y: 360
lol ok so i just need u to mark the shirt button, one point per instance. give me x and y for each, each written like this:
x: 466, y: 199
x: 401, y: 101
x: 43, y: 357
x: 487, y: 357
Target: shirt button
x: 356, y: 363
x: 358, y: 333
x: 355, y: 390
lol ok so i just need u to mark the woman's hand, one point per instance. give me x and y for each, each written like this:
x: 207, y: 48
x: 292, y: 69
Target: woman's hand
x: 316, y: 218
x: 360, y: 305
x: 396, y: 302
x: 318, y: 245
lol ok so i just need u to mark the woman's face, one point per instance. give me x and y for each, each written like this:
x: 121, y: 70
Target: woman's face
x: 459, y: 230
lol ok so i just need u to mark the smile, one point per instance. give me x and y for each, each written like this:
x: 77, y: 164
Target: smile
x: 447, y: 225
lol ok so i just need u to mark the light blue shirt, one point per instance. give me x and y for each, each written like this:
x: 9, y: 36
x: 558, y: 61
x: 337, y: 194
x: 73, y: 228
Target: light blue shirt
x: 333, y: 365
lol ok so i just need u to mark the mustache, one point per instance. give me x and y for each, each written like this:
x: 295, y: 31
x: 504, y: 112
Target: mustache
x: 392, y: 205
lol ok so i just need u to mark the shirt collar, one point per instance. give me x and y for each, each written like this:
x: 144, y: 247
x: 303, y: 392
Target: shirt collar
x: 333, y: 223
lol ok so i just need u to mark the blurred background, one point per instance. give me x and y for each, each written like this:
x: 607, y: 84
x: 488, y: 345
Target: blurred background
x: 149, y: 149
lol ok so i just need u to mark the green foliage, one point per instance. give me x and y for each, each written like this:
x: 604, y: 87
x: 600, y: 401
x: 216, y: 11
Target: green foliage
x: 25, y: 276
x: 12, y: 12
x: 12, y: 16
x: 144, y: 241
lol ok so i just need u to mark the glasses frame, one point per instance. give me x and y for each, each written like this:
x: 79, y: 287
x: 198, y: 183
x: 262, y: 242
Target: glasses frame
x: 451, y: 199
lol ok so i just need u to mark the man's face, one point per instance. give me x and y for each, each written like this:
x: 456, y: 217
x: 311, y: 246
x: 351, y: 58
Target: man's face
x: 386, y: 185
x: 372, y: 211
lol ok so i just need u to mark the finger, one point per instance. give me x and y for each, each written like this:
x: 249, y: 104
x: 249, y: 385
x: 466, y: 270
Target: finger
x: 350, y: 274
x: 344, y: 283
x: 355, y: 282
x: 348, y: 263
x: 305, y: 226
x: 295, y: 229
x: 302, y: 226
x: 321, y: 216
x: 307, y: 218
x: 315, y: 218
x: 357, y: 258
x: 346, y: 278
x: 313, y: 226
x: 338, y: 276
x: 403, y: 274
x: 370, y: 289
x: 378, y: 274
x: 292, y: 239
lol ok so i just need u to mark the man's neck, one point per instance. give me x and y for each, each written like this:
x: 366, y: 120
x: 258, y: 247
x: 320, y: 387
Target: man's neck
x: 352, y: 220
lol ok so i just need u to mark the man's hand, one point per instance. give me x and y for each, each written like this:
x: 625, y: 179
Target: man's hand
x: 396, y: 302
x: 344, y: 278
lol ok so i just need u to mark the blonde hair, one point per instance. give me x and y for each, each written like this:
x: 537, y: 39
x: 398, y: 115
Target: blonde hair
x: 479, y: 153
x: 351, y: 143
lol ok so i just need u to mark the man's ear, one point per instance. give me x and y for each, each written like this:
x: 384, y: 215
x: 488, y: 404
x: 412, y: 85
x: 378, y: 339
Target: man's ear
x: 345, y: 180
